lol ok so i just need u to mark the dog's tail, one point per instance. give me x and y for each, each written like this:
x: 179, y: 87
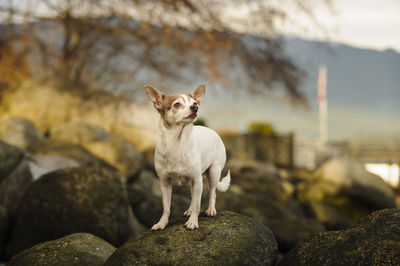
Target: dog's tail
x: 223, y: 185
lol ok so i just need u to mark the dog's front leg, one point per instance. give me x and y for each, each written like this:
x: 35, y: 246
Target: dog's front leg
x: 197, y: 188
x: 166, y: 191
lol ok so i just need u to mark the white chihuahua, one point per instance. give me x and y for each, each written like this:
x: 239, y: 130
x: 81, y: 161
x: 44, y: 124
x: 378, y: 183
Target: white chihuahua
x: 184, y: 152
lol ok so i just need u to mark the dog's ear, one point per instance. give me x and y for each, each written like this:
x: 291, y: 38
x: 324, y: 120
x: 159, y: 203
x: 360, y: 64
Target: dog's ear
x: 156, y: 96
x: 198, y: 93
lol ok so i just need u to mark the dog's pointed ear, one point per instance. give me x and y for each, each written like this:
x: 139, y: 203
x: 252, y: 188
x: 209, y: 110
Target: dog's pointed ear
x: 156, y: 96
x: 198, y: 93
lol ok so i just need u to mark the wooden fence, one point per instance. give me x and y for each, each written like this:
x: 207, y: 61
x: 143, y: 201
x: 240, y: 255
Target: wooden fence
x: 272, y: 149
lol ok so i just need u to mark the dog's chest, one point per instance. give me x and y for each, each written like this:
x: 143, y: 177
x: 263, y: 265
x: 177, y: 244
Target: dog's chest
x: 176, y: 165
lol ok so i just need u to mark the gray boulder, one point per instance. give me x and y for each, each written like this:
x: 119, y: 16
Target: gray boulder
x: 375, y: 240
x: 18, y: 131
x: 79, y: 249
x: 65, y: 149
x: 42, y: 164
x: 227, y: 239
x: 117, y: 152
x: 49, y: 155
x: 72, y: 200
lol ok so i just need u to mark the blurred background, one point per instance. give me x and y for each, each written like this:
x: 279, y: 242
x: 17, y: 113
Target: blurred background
x: 305, y: 95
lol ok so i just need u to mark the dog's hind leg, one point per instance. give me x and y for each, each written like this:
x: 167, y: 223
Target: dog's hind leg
x: 214, y: 173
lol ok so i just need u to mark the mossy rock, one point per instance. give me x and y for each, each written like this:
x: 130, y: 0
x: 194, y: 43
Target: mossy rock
x: 375, y: 240
x: 72, y: 200
x: 262, y: 195
x: 77, y: 249
x: 344, y: 187
x: 15, y: 177
x: 4, y: 225
x: 227, y: 239
x: 10, y: 157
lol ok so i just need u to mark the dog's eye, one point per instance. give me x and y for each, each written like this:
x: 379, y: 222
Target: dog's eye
x: 176, y: 105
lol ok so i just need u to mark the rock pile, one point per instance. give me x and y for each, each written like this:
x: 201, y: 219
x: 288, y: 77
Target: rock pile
x: 68, y: 197
x: 375, y: 240
x: 227, y: 239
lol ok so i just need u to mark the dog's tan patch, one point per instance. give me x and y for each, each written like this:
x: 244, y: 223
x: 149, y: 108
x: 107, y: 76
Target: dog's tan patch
x: 168, y: 100
x: 167, y: 105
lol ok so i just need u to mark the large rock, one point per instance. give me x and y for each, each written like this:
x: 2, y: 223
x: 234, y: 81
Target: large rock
x: 10, y: 156
x: 119, y: 153
x: 15, y: 177
x: 259, y: 192
x: 67, y: 150
x: 77, y: 249
x: 227, y: 239
x: 51, y: 102
x: 346, y: 186
x: 18, y: 131
x: 67, y: 201
x: 375, y: 240
x: 4, y: 225
x: 49, y: 155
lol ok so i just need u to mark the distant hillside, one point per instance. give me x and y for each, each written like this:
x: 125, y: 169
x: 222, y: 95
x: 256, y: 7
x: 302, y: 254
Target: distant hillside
x: 363, y: 94
x: 356, y: 77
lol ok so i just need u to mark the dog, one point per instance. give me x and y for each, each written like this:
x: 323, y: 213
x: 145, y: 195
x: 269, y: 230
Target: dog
x: 185, y: 152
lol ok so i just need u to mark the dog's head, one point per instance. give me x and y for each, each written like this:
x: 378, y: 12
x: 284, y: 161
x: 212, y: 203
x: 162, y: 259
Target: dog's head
x: 177, y: 109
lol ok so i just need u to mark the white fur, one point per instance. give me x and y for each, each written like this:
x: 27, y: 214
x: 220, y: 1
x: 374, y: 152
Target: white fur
x: 183, y: 153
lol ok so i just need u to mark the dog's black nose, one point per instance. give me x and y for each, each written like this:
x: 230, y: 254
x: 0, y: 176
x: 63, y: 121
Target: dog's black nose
x: 194, y: 107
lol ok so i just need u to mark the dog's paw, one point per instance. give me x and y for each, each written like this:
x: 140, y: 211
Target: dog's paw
x: 192, y: 224
x: 211, y: 212
x: 158, y: 226
x: 188, y: 212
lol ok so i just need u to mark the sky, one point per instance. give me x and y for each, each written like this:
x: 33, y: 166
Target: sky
x: 373, y: 24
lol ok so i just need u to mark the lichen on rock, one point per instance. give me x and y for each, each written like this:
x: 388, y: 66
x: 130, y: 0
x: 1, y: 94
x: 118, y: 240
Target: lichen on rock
x: 227, y: 239
x: 87, y: 199
x: 79, y: 249
x: 375, y: 240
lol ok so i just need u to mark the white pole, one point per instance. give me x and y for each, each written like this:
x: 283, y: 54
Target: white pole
x: 323, y: 125
x: 323, y: 105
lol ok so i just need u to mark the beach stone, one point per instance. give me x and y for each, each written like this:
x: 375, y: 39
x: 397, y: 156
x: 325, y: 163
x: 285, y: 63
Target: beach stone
x: 227, y: 239
x: 80, y: 249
